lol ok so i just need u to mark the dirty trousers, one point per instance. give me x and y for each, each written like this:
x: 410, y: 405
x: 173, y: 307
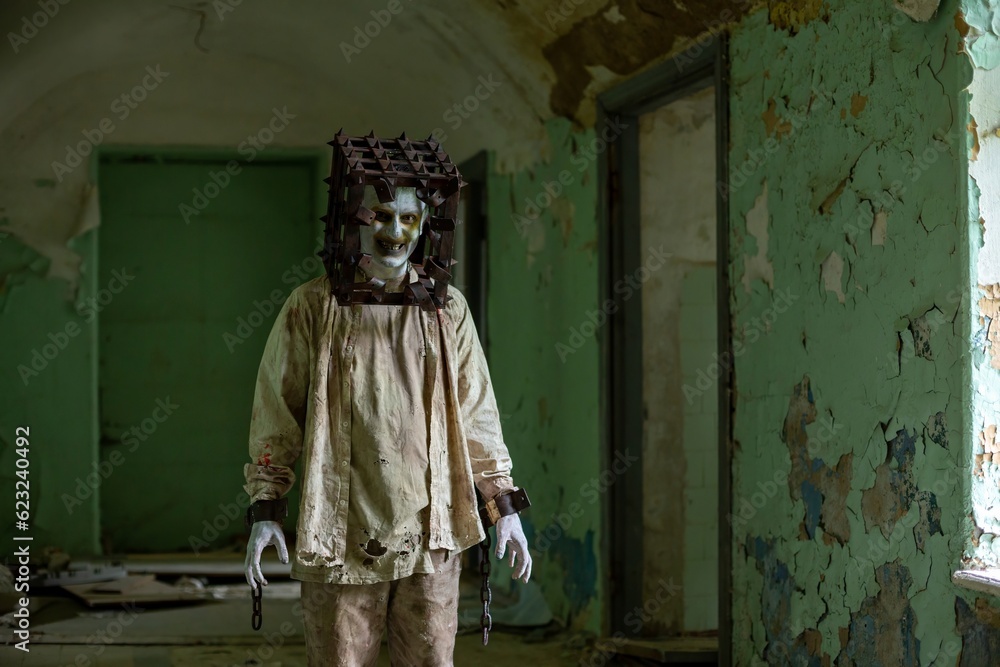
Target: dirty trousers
x: 344, y: 622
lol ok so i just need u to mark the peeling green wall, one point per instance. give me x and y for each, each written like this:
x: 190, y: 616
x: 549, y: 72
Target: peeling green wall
x: 48, y: 359
x: 851, y: 425
x: 542, y: 268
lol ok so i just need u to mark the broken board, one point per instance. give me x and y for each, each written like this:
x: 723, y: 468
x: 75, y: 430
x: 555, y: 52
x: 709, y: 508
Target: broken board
x: 136, y: 589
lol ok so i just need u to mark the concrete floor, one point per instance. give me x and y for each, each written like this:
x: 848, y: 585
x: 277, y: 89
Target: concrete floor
x: 503, y: 650
x: 64, y: 633
x: 217, y: 633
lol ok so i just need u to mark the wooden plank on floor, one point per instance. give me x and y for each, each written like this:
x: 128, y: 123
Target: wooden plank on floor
x: 203, y: 565
x: 134, y: 589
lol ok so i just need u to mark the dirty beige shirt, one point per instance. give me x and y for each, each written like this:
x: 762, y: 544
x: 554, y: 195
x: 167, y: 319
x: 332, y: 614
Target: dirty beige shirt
x: 336, y: 388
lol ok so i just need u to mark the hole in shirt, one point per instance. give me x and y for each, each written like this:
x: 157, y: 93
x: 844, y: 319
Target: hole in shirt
x: 375, y: 548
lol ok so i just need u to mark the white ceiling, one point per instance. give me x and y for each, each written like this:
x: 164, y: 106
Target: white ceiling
x: 231, y: 62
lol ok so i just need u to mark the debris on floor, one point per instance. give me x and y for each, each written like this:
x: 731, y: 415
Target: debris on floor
x: 134, y: 589
x: 79, y: 574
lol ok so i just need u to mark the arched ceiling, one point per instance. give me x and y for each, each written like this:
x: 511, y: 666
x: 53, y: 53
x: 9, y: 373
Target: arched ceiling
x: 231, y: 62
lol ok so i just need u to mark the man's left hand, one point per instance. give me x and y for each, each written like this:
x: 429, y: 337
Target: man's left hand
x: 509, y: 530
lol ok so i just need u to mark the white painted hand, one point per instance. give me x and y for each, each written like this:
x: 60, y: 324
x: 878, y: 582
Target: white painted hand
x: 262, y: 534
x: 509, y: 530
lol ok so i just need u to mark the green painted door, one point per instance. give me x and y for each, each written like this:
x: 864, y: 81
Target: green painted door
x: 189, y: 286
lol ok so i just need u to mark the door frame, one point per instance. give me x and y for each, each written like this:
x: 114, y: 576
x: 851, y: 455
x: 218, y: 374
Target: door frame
x: 475, y: 253
x: 621, y: 350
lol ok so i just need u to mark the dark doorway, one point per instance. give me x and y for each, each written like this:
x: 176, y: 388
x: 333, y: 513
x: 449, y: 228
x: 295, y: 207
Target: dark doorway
x: 668, y: 545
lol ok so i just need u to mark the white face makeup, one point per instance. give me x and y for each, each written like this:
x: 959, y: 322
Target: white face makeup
x: 394, y: 232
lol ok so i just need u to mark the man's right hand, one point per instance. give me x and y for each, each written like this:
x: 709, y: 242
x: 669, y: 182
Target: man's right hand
x: 262, y: 534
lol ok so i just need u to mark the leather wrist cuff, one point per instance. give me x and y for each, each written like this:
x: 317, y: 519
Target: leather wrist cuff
x: 267, y: 510
x: 503, y: 505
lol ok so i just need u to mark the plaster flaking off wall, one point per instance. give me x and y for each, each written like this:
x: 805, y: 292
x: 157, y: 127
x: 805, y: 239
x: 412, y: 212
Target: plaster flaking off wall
x: 543, y: 353
x: 47, y: 346
x: 850, y: 428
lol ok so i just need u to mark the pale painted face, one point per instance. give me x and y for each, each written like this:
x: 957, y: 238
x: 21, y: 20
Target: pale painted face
x: 394, y: 233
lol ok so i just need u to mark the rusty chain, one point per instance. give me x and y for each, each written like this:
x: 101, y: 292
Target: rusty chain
x: 257, y: 618
x: 485, y: 595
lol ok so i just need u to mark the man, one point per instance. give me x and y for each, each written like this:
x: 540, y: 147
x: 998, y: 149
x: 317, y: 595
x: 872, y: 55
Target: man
x: 393, y: 415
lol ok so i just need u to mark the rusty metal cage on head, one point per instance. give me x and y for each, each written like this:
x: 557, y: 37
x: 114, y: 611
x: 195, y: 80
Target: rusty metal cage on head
x: 386, y: 164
